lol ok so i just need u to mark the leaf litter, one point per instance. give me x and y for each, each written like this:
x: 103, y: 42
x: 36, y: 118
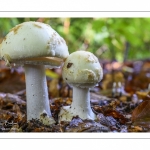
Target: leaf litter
x: 121, y: 101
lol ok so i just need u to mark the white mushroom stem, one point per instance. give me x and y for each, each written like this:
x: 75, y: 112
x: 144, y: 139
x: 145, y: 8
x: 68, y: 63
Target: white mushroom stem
x: 81, y: 103
x: 80, y: 106
x: 36, y: 92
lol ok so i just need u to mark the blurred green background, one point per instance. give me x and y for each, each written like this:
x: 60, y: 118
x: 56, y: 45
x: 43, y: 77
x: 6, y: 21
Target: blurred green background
x: 118, y: 39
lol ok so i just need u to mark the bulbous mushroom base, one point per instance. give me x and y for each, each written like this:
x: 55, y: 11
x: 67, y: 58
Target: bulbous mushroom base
x: 45, y: 119
x: 68, y: 112
x: 80, y: 106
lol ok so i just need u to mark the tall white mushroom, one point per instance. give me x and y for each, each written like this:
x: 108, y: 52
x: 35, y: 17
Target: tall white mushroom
x: 35, y: 44
x: 82, y: 71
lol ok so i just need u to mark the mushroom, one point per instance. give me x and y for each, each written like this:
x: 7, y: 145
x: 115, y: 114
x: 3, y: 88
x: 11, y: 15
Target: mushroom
x: 34, y: 45
x: 82, y: 71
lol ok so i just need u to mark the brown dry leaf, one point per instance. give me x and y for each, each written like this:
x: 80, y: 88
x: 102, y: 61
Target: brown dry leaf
x: 115, y: 114
x: 146, y: 66
x: 138, y: 81
x: 79, y: 125
x: 65, y: 90
x: 107, y: 82
x: 118, y: 77
x: 102, y: 119
x: 13, y: 108
x: 141, y: 114
x: 135, y: 129
x: 15, y: 128
x: 11, y: 98
x: 35, y: 125
x: 61, y: 101
x: 53, y: 87
x: 98, y: 109
x: 6, y: 115
x: 143, y: 95
x: 11, y: 81
x: 123, y: 98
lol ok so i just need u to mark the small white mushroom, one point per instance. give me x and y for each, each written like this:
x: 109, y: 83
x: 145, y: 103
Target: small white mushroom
x: 35, y: 44
x: 82, y: 71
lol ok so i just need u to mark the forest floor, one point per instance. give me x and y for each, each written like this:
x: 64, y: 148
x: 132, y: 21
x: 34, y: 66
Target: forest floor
x: 121, y: 100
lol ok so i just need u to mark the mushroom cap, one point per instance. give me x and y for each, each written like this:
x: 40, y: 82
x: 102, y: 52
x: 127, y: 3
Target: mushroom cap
x: 32, y: 40
x: 82, y: 68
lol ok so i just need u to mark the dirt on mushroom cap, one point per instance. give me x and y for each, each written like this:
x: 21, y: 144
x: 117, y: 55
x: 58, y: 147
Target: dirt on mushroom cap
x: 82, y: 67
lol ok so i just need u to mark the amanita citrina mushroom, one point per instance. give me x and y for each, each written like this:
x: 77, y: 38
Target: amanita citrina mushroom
x: 33, y: 45
x: 82, y: 71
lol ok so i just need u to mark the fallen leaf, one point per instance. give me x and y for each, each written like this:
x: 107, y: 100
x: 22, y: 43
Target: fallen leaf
x: 11, y: 81
x: 142, y: 112
x: 79, y: 125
